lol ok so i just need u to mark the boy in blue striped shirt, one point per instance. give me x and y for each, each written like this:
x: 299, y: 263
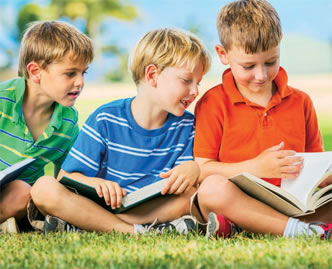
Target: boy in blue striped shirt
x: 37, y: 119
x: 130, y: 143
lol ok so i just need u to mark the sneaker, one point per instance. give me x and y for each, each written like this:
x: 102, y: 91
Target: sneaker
x: 9, y: 226
x: 327, y: 228
x: 54, y: 224
x: 182, y: 225
x: 219, y: 226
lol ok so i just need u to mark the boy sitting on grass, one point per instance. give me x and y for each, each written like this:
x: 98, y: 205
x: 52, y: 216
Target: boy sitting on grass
x: 37, y: 119
x: 253, y: 122
x: 130, y: 143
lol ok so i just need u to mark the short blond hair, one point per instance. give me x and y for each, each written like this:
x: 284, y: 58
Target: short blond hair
x: 252, y: 25
x: 49, y: 41
x: 167, y: 48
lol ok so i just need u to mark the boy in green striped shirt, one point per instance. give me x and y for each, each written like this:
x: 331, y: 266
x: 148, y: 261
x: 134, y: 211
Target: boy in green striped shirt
x: 37, y: 119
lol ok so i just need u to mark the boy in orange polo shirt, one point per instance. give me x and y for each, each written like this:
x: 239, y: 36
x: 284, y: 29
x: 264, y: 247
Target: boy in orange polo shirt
x: 253, y: 122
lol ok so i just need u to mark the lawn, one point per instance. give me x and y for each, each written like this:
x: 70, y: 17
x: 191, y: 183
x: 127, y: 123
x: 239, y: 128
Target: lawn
x: 91, y: 250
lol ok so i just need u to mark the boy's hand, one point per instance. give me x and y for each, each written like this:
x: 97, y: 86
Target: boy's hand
x: 181, y: 178
x: 111, y: 191
x: 278, y: 163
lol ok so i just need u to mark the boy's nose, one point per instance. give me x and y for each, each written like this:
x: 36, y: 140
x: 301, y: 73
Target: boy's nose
x: 194, y: 90
x: 260, y: 73
x: 79, y: 82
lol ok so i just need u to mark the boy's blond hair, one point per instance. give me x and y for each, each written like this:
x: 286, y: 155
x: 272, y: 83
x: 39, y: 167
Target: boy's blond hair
x: 46, y: 42
x: 167, y: 48
x: 252, y: 25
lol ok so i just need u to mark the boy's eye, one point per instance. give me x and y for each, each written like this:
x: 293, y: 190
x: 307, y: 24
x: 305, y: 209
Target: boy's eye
x: 270, y: 63
x: 248, y: 67
x: 187, y: 81
x: 70, y: 74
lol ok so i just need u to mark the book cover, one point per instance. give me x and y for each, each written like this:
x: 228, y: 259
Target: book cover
x: 13, y: 172
x: 129, y: 201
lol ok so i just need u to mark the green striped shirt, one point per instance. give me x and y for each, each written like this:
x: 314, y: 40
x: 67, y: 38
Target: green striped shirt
x: 16, y: 141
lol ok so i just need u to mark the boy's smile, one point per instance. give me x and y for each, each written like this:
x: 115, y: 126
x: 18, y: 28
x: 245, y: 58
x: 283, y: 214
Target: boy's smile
x: 253, y: 73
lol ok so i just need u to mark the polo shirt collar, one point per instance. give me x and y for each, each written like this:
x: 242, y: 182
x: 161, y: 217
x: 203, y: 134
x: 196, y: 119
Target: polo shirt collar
x: 235, y: 96
x: 56, y: 120
x: 19, y: 85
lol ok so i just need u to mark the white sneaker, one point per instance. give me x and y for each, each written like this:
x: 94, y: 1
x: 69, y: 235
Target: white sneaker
x: 182, y: 225
x: 9, y: 226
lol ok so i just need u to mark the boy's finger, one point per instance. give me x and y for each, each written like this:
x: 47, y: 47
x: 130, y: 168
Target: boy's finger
x: 106, y: 194
x: 182, y: 188
x: 175, y: 186
x: 118, y: 195
x: 166, y: 174
x: 168, y: 184
x: 113, y: 195
x: 99, y: 190
x: 123, y: 192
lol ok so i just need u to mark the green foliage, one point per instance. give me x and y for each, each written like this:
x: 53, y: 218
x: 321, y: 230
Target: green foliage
x: 114, y: 250
x: 26, y: 15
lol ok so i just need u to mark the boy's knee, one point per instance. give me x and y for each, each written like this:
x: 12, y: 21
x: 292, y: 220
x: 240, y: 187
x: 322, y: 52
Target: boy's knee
x: 215, y: 190
x: 15, y: 198
x: 44, y: 191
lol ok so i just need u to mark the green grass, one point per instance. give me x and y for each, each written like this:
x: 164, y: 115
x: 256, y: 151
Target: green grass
x: 91, y: 250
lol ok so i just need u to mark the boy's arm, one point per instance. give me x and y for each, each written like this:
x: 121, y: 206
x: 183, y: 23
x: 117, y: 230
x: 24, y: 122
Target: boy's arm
x: 271, y: 163
x: 111, y: 191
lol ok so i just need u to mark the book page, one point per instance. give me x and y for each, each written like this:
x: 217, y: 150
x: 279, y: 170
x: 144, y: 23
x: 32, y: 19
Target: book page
x: 315, y: 165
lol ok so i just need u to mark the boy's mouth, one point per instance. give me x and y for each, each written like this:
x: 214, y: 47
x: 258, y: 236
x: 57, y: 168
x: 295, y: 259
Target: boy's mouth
x: 74, y: 94
x: 185, y: 103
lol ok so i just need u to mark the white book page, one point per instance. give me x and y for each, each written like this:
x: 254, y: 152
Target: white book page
x: 315, y: 165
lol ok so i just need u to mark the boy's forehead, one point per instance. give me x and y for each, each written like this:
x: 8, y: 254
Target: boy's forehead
x: 240, y: 51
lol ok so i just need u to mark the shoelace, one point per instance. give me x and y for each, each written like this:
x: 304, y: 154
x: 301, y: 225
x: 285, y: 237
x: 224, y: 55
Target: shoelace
x: 72, y: 228
x: 326, y: 234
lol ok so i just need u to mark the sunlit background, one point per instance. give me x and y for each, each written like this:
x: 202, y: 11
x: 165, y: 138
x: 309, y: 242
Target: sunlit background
x: 116, y: 25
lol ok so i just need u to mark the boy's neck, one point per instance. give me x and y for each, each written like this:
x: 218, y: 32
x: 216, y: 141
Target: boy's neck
x: 146, y: 114
x: 37, y: 112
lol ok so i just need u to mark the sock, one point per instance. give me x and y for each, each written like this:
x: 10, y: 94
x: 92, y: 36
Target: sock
x: 138, y: 229
x: 296, y: 228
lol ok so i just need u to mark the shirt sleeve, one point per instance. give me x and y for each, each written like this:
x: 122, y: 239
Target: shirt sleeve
x: 88, y: 152
x: 209, y: 127
x: 314, y: 141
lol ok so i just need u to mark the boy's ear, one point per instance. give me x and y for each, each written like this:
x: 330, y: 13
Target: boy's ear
x: 151, y: 74
x: 222, y: 54
x: 34, y: 70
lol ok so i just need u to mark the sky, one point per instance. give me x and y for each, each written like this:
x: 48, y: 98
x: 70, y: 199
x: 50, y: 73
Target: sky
x: 307, y: 28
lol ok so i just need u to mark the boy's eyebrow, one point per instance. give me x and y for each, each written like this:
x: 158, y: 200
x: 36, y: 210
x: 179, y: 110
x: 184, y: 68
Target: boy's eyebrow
x: 269, y: 59
x: 75, y: 69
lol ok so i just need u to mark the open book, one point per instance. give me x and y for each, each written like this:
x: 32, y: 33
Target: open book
x: 295, y: 197
x: 132, y: 199
x: 12, y: 172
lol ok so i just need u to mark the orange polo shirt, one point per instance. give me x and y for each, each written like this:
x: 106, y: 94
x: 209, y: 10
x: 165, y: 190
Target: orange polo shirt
x: 230, y: 128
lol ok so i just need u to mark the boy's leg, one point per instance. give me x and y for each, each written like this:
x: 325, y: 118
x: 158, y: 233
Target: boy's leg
x: 14, y: 198
x: 164, y: 209
x: 52, y: 198
x: 219, y: 195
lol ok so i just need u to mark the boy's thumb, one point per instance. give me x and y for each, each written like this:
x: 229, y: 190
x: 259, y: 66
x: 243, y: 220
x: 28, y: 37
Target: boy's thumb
x: 277, y: 147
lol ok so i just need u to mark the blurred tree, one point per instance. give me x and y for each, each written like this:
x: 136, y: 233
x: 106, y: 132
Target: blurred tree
x: 93, y: 12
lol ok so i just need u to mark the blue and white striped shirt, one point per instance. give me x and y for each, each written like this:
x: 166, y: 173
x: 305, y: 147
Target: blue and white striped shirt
x: 112, y: 146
